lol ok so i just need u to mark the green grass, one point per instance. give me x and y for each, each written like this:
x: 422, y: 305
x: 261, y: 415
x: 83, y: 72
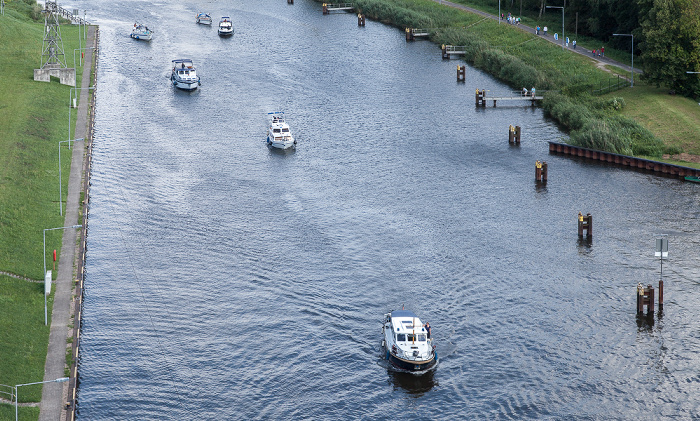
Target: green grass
x: 672, y: 118
x: 33, y: 119
x: 23, y: 337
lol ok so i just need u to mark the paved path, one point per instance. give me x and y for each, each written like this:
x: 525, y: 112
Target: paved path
x: 52, y: 397
x: 581, y: 51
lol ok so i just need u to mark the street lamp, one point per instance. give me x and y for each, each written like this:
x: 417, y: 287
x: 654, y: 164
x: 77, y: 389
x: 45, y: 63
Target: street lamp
x: 562, y: 23
x: 629, y: 35
x: 60, y: 187
x: 499, y: 12
x: 46, y: 321
x: 59, y: 380
x: 70, y: 103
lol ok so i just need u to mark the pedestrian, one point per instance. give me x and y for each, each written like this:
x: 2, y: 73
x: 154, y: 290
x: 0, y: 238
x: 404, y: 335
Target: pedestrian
x: 545, y: 31
x: 501, y: 16
x: 602, y: 51
x: 593, y: 51
x: 524, y: 91
x: 537, y: 30
x: 427, y: 329
x: 533, y: 92
x: 574, y: 44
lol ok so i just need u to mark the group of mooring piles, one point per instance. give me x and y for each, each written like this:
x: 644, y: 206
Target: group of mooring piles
x: 645, y: 295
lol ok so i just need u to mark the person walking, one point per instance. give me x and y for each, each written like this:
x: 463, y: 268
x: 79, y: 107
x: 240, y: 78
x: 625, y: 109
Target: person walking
x: 602, y: 51
x: 533, y: 92
x: 537, y: 30
x: 545, y: 31
x: 574, y: 44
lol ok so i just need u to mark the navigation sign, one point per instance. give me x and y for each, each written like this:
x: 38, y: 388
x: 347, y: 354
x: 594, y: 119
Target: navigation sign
x: 661, y: 247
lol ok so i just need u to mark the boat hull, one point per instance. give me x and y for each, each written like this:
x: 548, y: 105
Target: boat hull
x: 185, y: 85
x: 204, y: 21
x: 225, y: 33
x: 280, y: 145
x: 142, y: 37
x: 411, y: 365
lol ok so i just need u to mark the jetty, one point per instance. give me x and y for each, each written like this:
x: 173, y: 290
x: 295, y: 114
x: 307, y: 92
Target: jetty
x: 336, y: 7
x: 413, y: 33
x: 482, y: 97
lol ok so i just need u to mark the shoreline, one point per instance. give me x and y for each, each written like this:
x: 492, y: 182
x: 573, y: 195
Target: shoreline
x: 58, y: 400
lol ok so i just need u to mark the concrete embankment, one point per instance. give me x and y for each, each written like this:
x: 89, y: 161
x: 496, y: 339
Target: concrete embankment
x: 58, y: 399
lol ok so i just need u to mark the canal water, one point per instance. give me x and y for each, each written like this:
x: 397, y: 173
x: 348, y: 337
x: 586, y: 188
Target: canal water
x: 228, y: 281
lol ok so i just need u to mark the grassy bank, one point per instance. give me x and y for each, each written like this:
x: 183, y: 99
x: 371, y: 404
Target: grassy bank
x: 520, y: 59
x: 33, y: 119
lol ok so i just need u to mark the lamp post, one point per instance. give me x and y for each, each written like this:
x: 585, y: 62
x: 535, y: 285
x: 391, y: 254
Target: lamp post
x: 70, y: 103
x: 563, y: 37
x: 632, y: 76
x: 60, y: 184
x: 46, y: 321
x: 499, y: 12
x: 59, y: 380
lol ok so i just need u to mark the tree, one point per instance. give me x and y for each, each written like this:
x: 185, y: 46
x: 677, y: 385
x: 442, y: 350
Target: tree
x: 671, y: 45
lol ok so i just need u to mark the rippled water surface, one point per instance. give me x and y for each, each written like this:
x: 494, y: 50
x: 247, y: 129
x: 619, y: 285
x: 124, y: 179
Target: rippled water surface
x: 227, y: 281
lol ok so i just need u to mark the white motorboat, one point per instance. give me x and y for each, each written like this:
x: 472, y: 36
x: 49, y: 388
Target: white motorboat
x: 407, y: 341
x: 184, y: 75
x: 141, y: 32
x: 225, y: 26
x: 278, y: 135
x: 204, y: 18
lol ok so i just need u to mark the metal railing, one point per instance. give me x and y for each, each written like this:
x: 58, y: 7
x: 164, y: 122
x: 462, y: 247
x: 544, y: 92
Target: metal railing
x: 618, y: 84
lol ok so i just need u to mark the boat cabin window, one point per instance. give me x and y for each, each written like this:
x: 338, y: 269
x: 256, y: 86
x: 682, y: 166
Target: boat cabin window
x: 275, y: 130
x: 400, y: 337
x: 411, y: 337
x: 421, y: 337
x: 285, y: 129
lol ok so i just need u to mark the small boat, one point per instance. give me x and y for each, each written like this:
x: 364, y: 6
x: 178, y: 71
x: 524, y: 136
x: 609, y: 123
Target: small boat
x: 184, y: 75
x: 203, y: 18
x: 407, y: 341
x: 141, y: 32
x: 693, y: 178
x: 225, y: 26
x: 278, y: 135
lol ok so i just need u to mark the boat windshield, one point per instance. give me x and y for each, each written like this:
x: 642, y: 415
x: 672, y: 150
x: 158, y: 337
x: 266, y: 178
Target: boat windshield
x: 419, y: 337
x: 400, y: 337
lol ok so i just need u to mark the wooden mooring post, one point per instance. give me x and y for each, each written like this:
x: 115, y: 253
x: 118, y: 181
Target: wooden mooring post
x: 645, y: 297
x: 541, y: 171
x: 324, y: 7
x: 460, y: 73
x: 585, y: 223
x: 514, y: 135
x: 481, y: 98
x: 360, y: 19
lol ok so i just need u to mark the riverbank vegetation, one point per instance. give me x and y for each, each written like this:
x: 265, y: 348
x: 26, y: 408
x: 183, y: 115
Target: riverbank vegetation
x: 33, y: 119
x: 521, y: 59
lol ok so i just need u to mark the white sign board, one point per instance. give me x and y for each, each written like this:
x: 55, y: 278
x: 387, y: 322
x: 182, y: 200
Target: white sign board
x: 47, y: 283
x: 661, y: 247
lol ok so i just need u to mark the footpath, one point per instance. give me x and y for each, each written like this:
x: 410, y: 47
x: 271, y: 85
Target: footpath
x: 581, y: 51
x: 54, y: 395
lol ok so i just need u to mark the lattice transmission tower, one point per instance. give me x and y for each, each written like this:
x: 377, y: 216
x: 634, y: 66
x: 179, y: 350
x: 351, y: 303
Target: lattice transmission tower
x: 53, y: 57
x: 52, y: 53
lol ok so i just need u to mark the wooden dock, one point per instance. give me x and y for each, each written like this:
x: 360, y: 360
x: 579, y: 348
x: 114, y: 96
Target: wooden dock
x: 337, y: 7
x: 453, y: 50
x: 413, y: 33
x: 624, y: 160
x: 482, y: 97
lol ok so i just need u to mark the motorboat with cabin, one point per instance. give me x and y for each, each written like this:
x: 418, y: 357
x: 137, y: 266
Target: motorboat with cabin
x: 203, y: 18
x: 140, y: 31
x: 407, y: 341
x: 225, y: 26
x: 278, y: 135
x: 184, y: 75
